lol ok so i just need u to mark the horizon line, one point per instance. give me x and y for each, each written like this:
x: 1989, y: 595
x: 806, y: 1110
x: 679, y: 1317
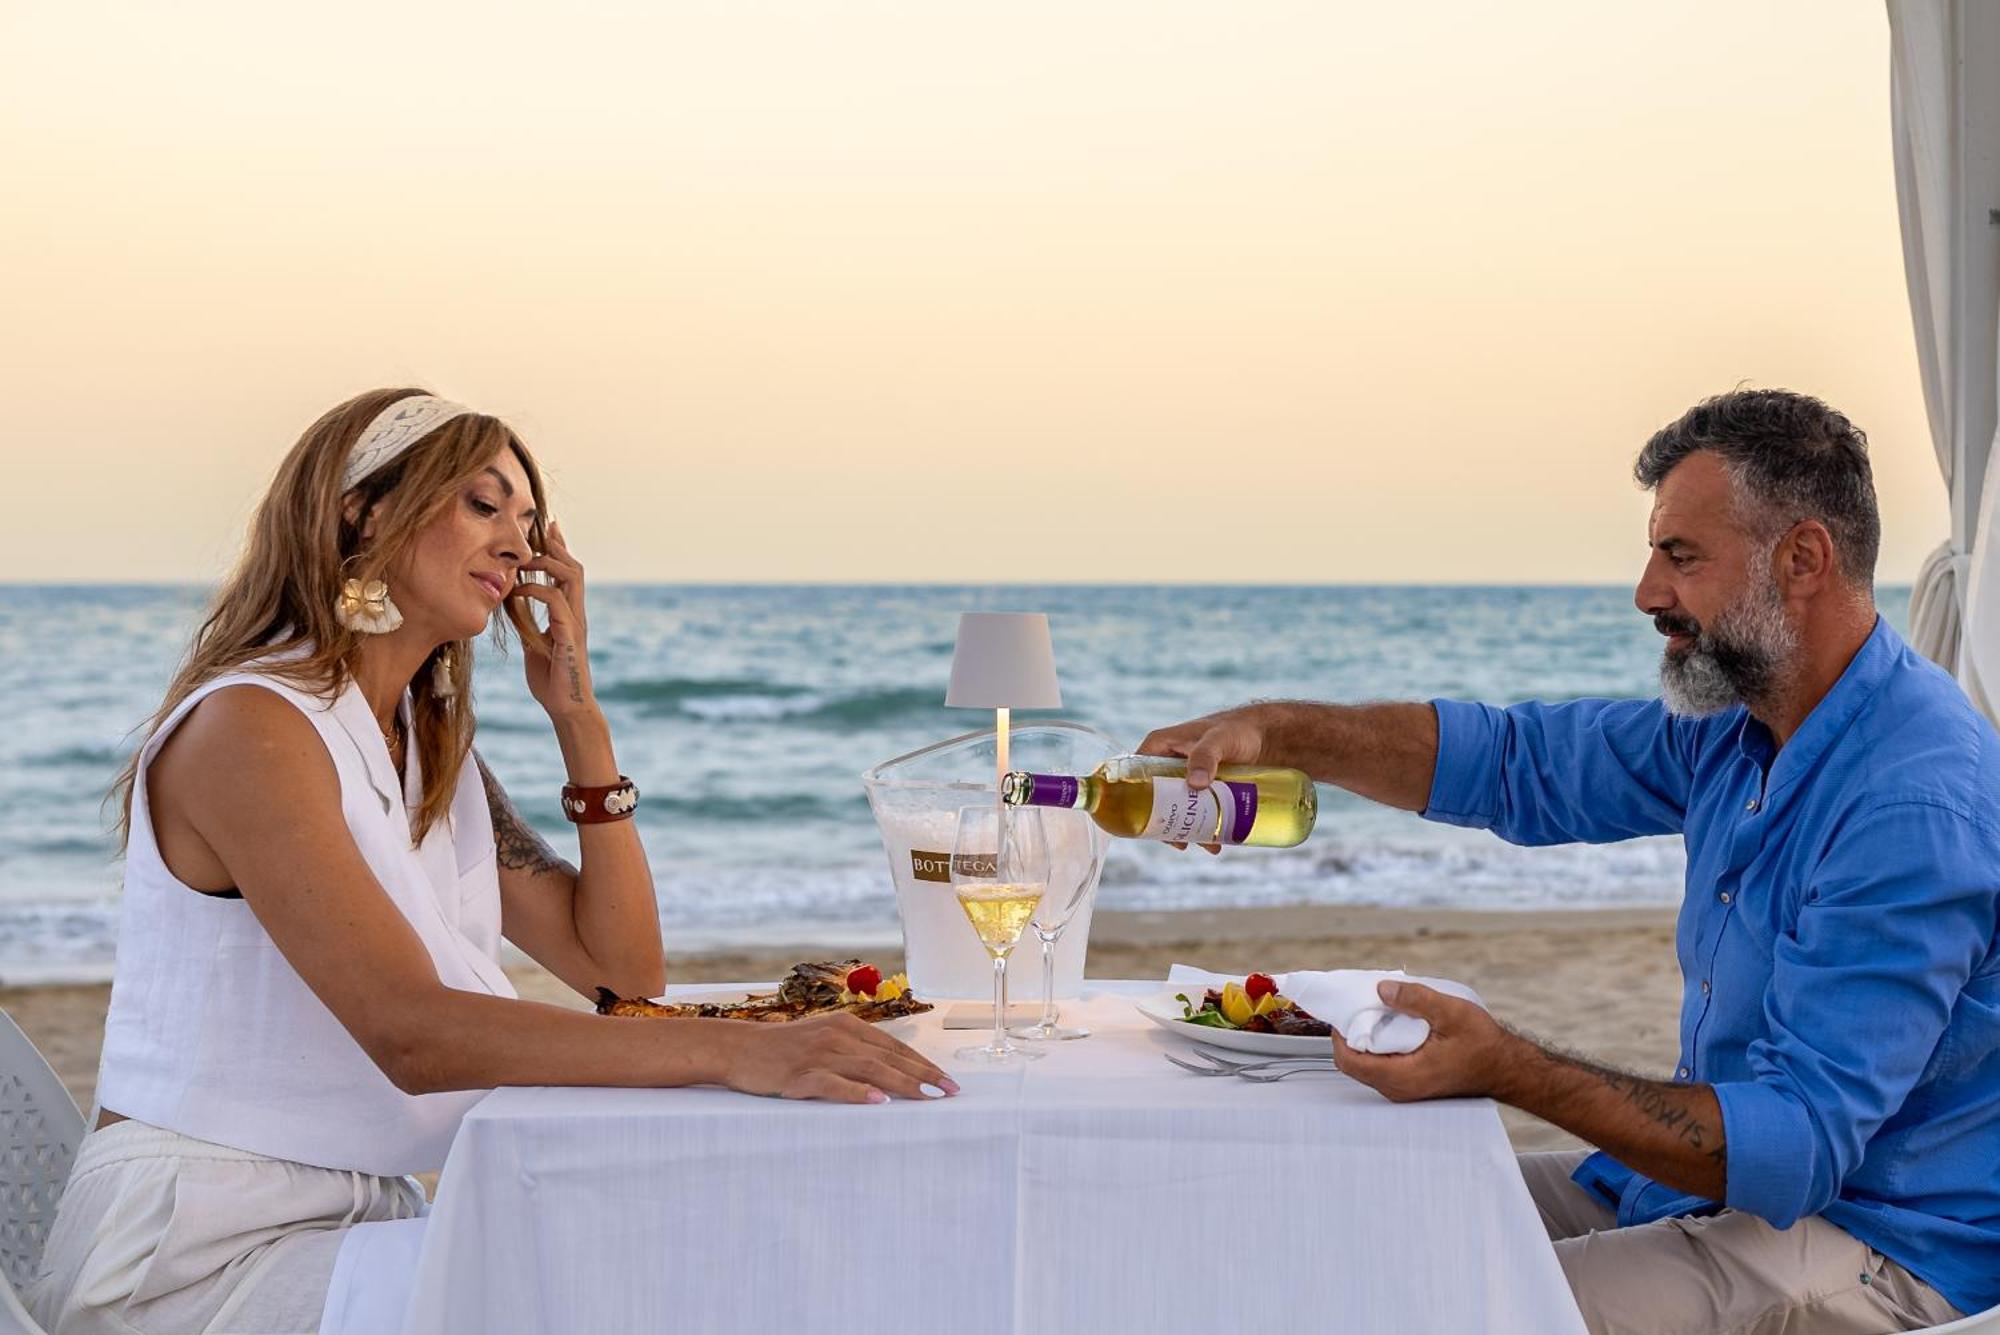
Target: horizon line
x: 962, y: 584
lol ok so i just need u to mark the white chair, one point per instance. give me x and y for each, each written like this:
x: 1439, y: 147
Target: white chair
x: 39, y: 1131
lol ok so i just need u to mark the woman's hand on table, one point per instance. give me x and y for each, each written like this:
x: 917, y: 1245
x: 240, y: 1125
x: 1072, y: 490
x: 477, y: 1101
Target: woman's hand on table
x: 1464, y: 1056
x: 833, y: 1057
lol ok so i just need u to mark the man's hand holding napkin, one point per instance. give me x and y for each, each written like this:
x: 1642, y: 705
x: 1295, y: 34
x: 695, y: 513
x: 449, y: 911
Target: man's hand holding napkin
x: 1352, y: 1002
x: 1464, y: 1056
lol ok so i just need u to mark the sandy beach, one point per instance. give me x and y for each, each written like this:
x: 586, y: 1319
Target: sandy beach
x: 1598, y: 982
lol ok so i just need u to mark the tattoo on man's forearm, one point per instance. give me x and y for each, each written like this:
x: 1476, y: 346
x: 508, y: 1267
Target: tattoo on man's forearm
x: 1662, y: 1102
x: 515, y: 842
x: 1649, y: 1098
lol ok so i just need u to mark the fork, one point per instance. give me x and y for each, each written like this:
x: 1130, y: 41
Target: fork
x: 1214, y: 1058
x: 1216, y: 1066
x: 1270, y: 1077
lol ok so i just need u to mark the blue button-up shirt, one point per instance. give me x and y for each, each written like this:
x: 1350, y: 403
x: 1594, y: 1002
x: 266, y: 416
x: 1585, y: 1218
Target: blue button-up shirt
x: 1840, y: 972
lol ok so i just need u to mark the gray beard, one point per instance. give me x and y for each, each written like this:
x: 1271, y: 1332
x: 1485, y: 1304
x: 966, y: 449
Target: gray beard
x: 1740, y: 658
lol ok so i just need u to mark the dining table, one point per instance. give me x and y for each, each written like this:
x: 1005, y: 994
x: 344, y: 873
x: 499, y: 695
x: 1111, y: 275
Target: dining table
x: 1099, y: 1189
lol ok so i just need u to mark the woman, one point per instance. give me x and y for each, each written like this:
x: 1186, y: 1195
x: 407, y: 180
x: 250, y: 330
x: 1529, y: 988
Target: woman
x: 319, y: 871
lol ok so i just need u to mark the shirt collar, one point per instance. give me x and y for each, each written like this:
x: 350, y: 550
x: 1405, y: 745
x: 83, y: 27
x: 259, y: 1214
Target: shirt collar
x: 357, y: 720
x: 350, y: 709
x: 1754, y: 740
x: 1865, y: 673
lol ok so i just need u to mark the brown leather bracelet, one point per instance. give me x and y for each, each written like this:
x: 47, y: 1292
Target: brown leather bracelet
x: 596, y: 806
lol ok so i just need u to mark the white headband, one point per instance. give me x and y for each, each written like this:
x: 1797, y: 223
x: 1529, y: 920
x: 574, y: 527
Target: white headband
x: 396, y: 428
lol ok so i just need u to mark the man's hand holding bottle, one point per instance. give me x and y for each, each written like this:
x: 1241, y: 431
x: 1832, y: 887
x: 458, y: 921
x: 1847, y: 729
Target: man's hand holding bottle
x: 1231, y: 737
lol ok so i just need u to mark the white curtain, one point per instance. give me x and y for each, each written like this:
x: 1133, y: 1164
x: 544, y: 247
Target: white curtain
x: 1945, y: 90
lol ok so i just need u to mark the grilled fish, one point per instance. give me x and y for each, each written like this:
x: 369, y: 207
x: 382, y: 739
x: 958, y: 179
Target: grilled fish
x: 810, y: 989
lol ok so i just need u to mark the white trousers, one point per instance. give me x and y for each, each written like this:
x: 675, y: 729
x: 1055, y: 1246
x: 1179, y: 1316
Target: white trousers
x: 161, y: 1234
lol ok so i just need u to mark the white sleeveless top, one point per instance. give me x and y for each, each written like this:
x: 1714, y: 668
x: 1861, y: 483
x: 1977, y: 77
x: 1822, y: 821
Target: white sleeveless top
x: 212, y: 1034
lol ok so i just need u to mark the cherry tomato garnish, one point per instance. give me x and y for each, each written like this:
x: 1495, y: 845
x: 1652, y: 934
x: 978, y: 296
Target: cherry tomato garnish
x: 1258, y: 986
x: 864, y: 980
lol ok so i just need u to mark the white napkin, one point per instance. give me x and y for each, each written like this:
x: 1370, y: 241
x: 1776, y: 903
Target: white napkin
x: 1347, y: 1000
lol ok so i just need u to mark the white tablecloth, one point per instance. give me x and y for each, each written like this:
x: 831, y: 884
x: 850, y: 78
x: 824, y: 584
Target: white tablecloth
x: 1097, y: 1191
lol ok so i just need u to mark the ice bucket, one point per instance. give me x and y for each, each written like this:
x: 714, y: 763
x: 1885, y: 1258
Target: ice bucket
x: 916, y: 798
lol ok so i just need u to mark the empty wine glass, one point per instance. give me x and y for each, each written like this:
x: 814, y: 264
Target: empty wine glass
x: 1075, y: 854
x: 999, y: 872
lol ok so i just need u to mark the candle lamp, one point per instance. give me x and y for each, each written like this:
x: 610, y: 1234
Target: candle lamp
x: 1004, y: 661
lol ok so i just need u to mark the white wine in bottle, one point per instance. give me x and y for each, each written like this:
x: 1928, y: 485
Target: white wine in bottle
x: 1147, y: 797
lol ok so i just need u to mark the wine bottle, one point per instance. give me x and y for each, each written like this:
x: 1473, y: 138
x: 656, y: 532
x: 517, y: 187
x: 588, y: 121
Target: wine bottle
x: 1147, y: 797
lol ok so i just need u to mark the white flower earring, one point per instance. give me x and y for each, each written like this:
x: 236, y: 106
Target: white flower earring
x: 364, y: 606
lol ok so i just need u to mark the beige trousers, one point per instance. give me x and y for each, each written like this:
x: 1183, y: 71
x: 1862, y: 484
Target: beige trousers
x: 1725, y: 1274
x: 162, y: 1234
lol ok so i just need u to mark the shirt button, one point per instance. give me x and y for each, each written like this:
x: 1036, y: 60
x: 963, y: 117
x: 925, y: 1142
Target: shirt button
x: 1751, y: 805
x: 1684, y: 1072
x: 1704, y: 987
x: 1724, y: 896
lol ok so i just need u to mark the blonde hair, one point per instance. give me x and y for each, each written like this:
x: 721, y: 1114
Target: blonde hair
x: 302, y: 547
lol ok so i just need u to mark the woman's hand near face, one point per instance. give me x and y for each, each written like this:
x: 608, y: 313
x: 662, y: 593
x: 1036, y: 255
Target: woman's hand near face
x: 560, y: 678
x: 599, y: 921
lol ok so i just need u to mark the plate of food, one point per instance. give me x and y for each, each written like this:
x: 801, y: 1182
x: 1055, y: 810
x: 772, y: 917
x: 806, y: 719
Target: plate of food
x: 825, y: 988
x: 1250, y: 1016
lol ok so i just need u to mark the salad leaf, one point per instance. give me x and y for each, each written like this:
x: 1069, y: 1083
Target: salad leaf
x: 1207, y: 1016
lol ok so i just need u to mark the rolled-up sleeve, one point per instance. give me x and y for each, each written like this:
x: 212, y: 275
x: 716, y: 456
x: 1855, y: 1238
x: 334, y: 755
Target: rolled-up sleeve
x: 1581, y: 771
x: 1898, y: 914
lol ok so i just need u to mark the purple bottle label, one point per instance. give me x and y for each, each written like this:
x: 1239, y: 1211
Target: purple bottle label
x: 1244, y: 800
x: 1050, y: 790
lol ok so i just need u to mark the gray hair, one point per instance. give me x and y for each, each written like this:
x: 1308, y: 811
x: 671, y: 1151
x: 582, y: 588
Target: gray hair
x: 1790, y: 458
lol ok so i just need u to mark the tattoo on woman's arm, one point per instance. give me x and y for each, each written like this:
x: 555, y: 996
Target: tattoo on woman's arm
x: 515, y: 842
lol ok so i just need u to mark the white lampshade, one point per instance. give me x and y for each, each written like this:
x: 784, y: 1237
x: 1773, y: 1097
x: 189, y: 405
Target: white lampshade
x: 1004, y: 660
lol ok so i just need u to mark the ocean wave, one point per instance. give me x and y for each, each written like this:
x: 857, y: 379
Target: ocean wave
x: 522, y: 726
x: 750, y: 708
x: 866, y: 709
x: 64, y: 941
x: 764, y: 808
x: 742, y: 700
x: 82, y: 757
x: 103, y: 846
x: 675, y: 692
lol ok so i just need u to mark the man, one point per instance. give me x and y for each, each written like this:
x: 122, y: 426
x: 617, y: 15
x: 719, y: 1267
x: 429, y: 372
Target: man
x: 1826, y: 1156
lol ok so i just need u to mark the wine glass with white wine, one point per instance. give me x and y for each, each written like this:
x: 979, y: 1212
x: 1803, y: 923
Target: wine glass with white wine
x: 999, y: 872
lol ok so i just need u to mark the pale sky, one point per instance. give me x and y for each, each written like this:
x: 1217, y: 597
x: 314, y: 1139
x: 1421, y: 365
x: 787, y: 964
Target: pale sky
x: 1154, y: 290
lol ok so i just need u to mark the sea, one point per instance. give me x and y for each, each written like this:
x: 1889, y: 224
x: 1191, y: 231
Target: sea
x: 747, y: 714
